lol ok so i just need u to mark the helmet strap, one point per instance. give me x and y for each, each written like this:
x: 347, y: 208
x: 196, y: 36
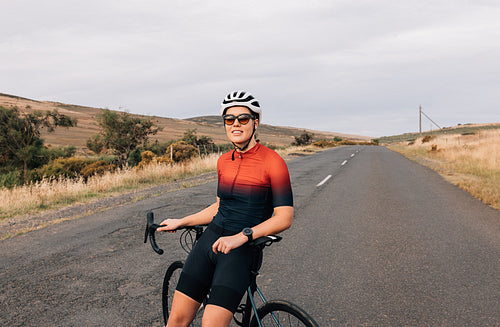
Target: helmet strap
x: 241, y: 149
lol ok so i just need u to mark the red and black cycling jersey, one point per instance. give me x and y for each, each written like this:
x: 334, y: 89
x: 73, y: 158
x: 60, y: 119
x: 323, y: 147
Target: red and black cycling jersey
x: 250, y: 187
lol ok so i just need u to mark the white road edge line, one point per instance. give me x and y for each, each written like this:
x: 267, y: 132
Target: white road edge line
x: 324, y: 181
x: 352, y: 155
x: 345, y: 161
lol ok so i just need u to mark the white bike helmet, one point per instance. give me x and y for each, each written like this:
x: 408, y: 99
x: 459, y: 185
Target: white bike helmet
x: 241, y: 99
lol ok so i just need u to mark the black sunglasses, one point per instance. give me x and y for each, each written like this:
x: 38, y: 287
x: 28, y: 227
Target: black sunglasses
x: 243, y: 119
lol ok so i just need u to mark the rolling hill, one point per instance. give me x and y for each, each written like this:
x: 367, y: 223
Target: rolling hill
x: 464, y: 129
x: 172, y: 128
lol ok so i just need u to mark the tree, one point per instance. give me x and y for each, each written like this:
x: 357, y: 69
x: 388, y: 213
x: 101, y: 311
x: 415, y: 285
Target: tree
x: 20, y: 141
x: 304, y: 139
x: 122, y: 133
x: 190, y: 137
x: 95, y: 144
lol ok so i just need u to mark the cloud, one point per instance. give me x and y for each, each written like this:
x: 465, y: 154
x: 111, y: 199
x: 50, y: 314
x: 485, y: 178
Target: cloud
x: 363, y: 67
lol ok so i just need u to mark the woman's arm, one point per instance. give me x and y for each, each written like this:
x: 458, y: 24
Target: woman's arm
x: 203, y: 217
x: 281, y: 221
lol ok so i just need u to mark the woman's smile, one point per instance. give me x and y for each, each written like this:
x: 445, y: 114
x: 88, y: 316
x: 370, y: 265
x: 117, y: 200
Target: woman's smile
x: 239, y: 133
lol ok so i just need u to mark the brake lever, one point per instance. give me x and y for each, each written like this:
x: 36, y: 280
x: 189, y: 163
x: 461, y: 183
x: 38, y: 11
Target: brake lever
x: 150, y: 230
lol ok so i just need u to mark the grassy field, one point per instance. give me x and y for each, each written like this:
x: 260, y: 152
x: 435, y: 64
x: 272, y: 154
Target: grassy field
x: 469, y: 160
x: 466, y: 129
x: 47, y: 194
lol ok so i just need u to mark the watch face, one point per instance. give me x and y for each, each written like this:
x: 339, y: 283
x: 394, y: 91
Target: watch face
x: 247, y: 231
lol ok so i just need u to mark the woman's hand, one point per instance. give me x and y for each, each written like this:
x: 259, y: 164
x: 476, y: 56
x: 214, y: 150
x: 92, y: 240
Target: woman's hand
x: 170, y: 225
x: 227, y: 243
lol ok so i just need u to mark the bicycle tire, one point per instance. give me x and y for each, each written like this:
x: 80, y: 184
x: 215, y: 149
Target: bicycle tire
x: 169, y: 285
x: 283, y: 314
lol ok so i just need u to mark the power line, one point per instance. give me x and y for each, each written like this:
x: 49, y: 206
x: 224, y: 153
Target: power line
x: 420, y: 119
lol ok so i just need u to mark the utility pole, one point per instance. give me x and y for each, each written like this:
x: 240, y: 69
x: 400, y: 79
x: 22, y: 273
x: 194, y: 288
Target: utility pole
x: 420, y: 112
x: 420, y: 119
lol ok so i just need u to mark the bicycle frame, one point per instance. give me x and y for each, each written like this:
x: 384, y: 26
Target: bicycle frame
x: 250, y: 298
x: 254, y: 307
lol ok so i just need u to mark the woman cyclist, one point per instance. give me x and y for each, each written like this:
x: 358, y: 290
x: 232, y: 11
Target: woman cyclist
x: 254, y: 199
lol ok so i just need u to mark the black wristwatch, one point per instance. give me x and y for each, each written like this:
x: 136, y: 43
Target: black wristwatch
x: 248, y: 232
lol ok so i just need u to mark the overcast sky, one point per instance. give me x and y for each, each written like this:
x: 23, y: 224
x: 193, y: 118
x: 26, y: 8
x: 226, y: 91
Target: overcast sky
x: 351, y: 66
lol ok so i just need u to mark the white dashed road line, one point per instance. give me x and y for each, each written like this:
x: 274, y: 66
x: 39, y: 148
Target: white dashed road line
x: 324, y: 181
x: 330, y: 176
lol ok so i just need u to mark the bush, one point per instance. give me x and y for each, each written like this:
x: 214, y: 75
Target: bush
x: 64, y: 167
x: 147, y: 157
x: 10, y: 179
x: 427, y: 138
x: 165, y: 159
x: 157, y: 148
x: 348, y: 142
x: 134, y: 158
x: 183, y: 151
x: 325, y: 143
x: 304, y: 139
x: 60, y: 152
x: 46, y: 154
x: 97, y: 168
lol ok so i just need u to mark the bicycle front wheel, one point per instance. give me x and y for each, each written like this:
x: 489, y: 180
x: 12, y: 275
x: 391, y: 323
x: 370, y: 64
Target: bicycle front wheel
x: 169, y: 285
x: 283, y: 314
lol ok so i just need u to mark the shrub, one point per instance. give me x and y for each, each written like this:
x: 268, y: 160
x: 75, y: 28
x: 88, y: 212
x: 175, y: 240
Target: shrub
x: 10, y: 179
x: 183, y: 151
x: 325, y: 143
x: 147, y: 157
x: 165, y: 159
x: 427, y: 138
x: 157, y: 147
x: 134, y: 158
x: 348, y: 142
x: 304, y: 139
x: 60, y: 152
x: 96, y: 168
x: 64, y: 167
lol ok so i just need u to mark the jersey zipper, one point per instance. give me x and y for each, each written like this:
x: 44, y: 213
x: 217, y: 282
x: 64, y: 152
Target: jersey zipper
x: 237, y: 171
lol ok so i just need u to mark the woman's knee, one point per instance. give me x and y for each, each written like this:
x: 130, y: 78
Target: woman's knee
x: 183, y: 310
x: 215, y: 316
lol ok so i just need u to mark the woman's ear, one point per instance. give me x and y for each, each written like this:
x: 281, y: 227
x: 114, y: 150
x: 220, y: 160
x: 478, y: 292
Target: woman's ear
x: 256, y: 123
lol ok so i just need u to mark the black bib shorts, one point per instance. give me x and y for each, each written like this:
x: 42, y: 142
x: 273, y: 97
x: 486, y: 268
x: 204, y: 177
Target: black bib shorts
x: 224, y: 277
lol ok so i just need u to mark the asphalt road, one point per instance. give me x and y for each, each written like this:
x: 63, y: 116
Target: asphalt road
x: 382, y: 242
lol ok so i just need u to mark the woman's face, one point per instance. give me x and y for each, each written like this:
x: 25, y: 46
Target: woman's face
x: 238, y: 133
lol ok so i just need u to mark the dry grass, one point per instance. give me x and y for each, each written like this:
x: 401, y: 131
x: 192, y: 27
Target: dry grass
x: 470, y: 161
x: 54, y: 194
x: 63, y: 192
x: 298, y: 150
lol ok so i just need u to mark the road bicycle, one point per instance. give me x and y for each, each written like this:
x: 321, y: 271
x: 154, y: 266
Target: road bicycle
x: 279, y: 313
